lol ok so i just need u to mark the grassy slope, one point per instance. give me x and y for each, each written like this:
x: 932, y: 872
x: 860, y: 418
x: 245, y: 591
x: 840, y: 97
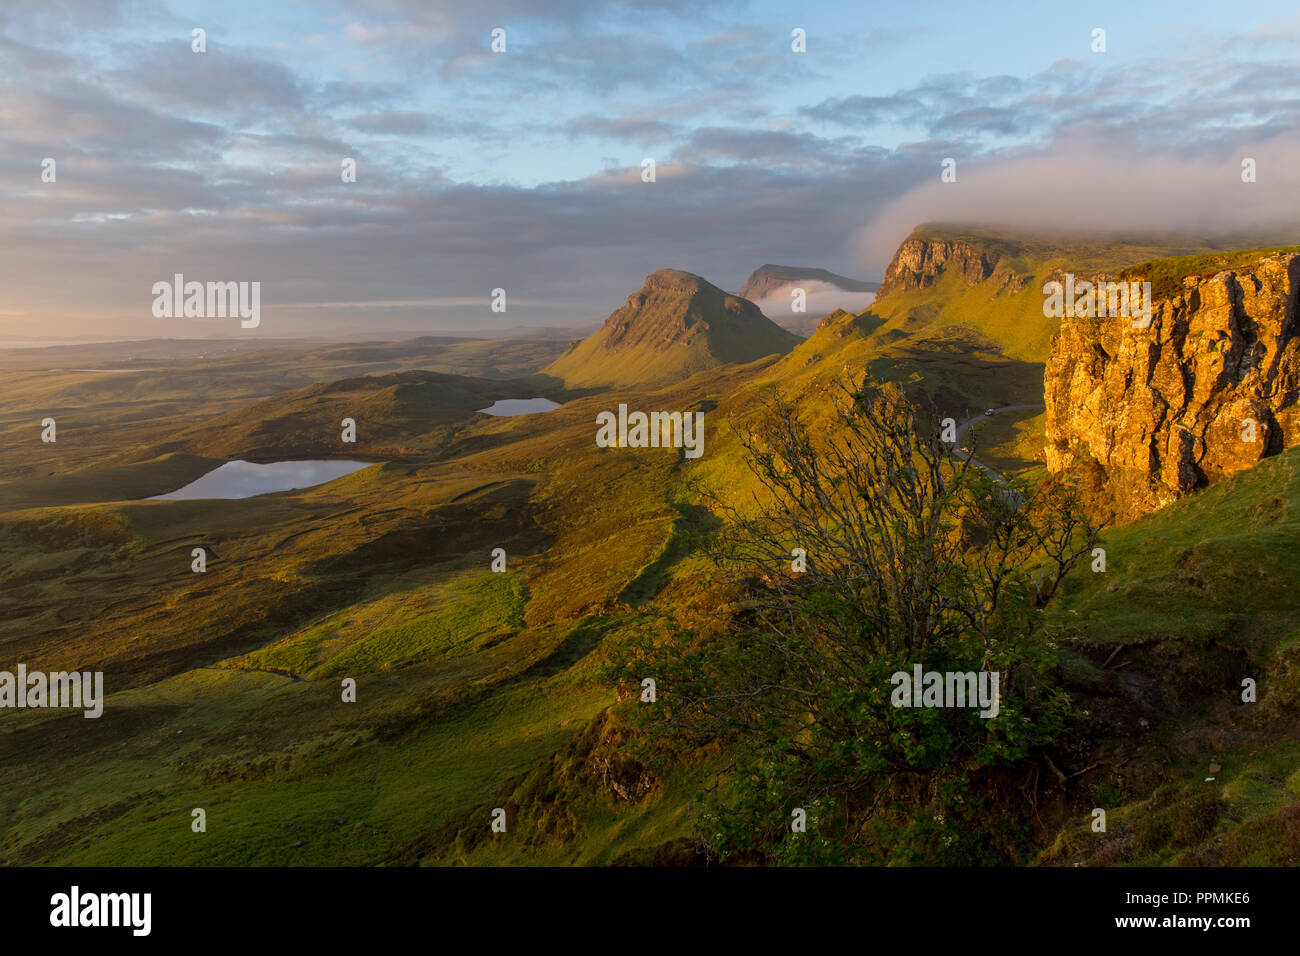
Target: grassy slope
x: 473, y: 677
x: 674, y: 332
x: 959, y: 373
x: 477, y: 689
x: 1014, y: 321
x: 104, y: 416
x: 1011, y: 442
x: 1166, y: 275
x: 1199, y: 596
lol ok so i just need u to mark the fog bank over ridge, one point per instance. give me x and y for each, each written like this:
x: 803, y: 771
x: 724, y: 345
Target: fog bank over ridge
x: 1101, y: 190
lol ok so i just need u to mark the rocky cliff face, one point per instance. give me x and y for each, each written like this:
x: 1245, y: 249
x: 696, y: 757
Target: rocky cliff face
x: 1211, y: 387
x: 918, y: 262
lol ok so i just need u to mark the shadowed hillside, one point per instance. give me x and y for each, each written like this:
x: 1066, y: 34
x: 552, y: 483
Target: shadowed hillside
x: 480, y: 689
x: 676, y: 325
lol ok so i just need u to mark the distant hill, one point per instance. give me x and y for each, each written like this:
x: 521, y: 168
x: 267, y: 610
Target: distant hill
x: 771, y: 288
x: 769, y: 279
x: 491, y: 684
x: 396, y: 415
x: 676, y: 325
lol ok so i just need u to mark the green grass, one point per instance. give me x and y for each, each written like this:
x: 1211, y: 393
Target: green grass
x: 1196, y: 597
x: 1166, y: 275
x: 99, y: 483
x: 1243, y: 814
x: 387, y: 793
x: 1011, y: 442
x: 1015, y: 320
x: 1218, y: 564
x: 476, y: 688
x: 456, y: 615
x: 677, y: 326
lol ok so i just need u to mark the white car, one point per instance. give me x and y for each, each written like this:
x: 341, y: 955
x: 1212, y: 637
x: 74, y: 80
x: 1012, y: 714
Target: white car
x: 988, y: 411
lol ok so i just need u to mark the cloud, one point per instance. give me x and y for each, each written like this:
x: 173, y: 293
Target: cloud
x: 222, y: 81
x: 584, y: 241
x: 226, y: 165
x: 820, y: 298
x: 396, y: 122
x: 81, y: 118
x: 1108, y: 181
x: 636, y: 128
x: 772, y: 149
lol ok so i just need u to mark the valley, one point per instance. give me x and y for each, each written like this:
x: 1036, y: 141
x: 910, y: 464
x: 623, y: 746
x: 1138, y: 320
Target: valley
x: 480, y: 688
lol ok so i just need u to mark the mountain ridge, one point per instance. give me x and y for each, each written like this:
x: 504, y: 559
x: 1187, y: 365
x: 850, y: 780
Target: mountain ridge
x: 769, y: 278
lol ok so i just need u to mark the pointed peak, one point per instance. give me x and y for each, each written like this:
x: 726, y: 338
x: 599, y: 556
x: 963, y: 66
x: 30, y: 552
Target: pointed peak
x: 676, y: 324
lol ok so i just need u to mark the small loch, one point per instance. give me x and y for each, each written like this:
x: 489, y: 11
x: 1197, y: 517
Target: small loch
x: 245, y: 479
x: 520, y: 406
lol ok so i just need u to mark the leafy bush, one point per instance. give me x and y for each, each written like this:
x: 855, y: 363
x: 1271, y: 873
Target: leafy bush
x: 913, y: 558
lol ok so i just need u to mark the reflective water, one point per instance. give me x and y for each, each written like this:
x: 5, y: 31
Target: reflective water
x: 520, y: 406
x: 244, y: 479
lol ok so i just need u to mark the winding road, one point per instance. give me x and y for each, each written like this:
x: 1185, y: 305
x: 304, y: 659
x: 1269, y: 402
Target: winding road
x: 960, y: 451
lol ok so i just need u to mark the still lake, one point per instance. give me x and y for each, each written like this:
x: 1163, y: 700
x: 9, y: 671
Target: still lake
x: 244, y: 479
x: 520, y: 406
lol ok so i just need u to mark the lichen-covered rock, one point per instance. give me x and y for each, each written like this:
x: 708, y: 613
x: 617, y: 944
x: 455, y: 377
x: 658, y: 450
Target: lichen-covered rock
x: 1210, y: 388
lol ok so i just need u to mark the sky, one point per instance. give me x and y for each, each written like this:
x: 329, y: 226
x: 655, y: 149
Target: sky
x: 523, y: 170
